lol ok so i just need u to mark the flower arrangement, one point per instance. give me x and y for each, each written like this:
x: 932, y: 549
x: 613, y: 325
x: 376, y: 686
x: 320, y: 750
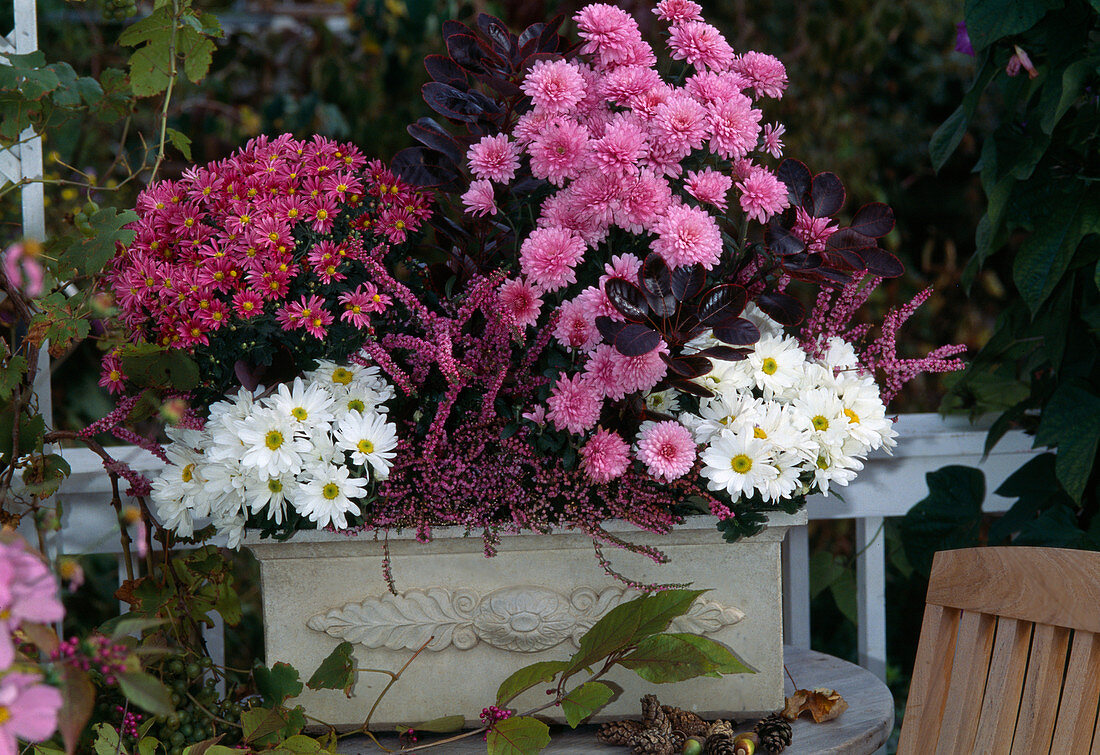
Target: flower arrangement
x: 603, y: 319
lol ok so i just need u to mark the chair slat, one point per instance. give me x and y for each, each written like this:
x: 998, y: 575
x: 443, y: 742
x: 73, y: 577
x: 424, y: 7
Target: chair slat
x: 1043, y: 685
x: 931, y: 676
x: 1003, y: 688
x: 1080, y: 694
x: 973, y: 647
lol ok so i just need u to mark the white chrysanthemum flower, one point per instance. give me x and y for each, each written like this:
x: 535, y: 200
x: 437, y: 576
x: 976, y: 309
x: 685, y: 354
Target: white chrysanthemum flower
x: 322, y: 448
x: 840, y: 355
x: 787, y: 483
x: 231, y: 524
x: 834, y: 468
x: 775, y: 422
x: 738, y: 463
x: 820, y: 412
x: 736, y: 411
x: 271, y: 495
x: 726, y: 378
x: 326, y: 495
x: 308, y: 405
x: 222, y: 490
x: 866, y: 414
x: 776, y: 364
x: 335, y: 377
x: 370, y: 440
x: 663, y: 402
x: 272, y: 446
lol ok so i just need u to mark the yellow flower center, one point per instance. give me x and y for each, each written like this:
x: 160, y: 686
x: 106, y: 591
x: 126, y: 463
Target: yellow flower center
x: 5, y: 714
x: 114, y: 376
x: 275, y: 486
x: 322, y: 214
x: 822, y: 462
x: 365, y: 446
x: 741, y: 463
x: 355, y: 405
x: 299, y: 413
x: 853, y: 418
x: 274, y: 235
x: 188, y: 473
x: 245, y: 219
x: 273, y: 440
x: 770, y: 366
x: 758, y: 432
x: 330, y: 491
x: 820, y: 423
x: 341, y: 376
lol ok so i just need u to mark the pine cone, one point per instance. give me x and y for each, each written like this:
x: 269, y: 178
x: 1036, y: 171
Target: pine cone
x: 719, y: 727
x: 653, y: 715
x: 619, y: 733
x: 657, y: 742
x: 685, y: 721
x: 774, y: 732
x: 720, y: 743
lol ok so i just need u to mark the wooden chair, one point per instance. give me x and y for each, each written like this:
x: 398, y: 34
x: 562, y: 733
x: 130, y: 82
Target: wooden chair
x: 1009, y: 655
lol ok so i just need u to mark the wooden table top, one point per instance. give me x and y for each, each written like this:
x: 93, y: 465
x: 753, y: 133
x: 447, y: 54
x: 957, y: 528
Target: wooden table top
x: 860, y: 730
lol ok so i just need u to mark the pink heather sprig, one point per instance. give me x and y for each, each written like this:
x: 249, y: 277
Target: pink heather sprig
x: 126, y: 435
x: 113, y: 418
x: 140, y: 486
x: 385, y: 361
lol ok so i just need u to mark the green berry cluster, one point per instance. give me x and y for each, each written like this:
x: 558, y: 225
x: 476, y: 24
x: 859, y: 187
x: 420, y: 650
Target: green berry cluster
x: 119, y: 10
x: 201, y: 712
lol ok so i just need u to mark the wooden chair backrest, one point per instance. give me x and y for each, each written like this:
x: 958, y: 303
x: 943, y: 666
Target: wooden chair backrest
x: 1009, y: 655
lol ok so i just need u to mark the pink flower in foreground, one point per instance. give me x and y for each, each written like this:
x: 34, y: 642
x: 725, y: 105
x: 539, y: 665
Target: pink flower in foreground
x: 709, y: 186
x: 536, y: 415
x: 773, y: 144
x: 688, y: 235
x: 28, y: 592
x: 638, y: 373
x: 765, y: 73
x: 763, y: 195
x: 23, y: 270
x: 575, y: 329
x: 559, y: 151
x: 644, y: 199
x: 479, y: 199
x: 621, y: 146
x: 573, y: 404
x: 30, y: 710
x: 605, y: 456
x: 522, y: 300
x: 709, y: 87
x: 609, y: 32
x: 667, y: 449
x: 678, y: 11
x: 735, y: 127
x: 681, y: 122
x: 814, y: 232
x: 554, y: 86
x: 700, y: 44
x: 494, y: 158
x: 547, y: 257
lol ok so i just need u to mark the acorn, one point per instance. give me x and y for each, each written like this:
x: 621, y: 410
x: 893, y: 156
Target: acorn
x: 693, y: 746
x: 745, y: 744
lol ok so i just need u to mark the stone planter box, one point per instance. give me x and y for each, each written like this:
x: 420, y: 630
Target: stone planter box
x: 491, y: 616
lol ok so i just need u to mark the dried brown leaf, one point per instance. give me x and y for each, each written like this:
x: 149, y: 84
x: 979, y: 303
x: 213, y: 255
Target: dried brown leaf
x: 821, y: 704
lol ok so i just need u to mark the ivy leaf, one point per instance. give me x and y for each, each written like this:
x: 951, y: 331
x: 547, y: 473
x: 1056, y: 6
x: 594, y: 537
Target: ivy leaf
x: 146, y: 691
x: 337, y: 671
x: 260, y: 723
x: 90, y: 254
x: 949, y: 517
x: 12, y: 375
x: 106, y: 740
x: 197, y: 50
x: 180, y: 141
x: 527, y: 677
x: 519, y: 735
x: 585, y: 700
x: 278, y: 683
x: 44, y: 475
x: 666, y: 658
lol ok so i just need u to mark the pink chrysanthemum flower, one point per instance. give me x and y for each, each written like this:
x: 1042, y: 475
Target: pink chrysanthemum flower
x: 709, y: 186
x: 681, y: 122
x: 575, y: 329
x: 549, y: 255
x: 627, y: 82
x: 678, y: 11
x: 734, y: 127
x: 814, y: 232
x: 530, y: 125
x: 573, y: 404
x: 605, y: 456
x: 709, y: 87
x: 772, y: 141
x: 494, y: 158
x: 765, y: 73
x: 639, y: 373
x: 31, y: 709
x: 522, y: 300
x: 479, y: 199
x: 701, y: 45
x: 559, y: 152
x: 667, y: 449
x: 763, y: 195
x: 554, y: 86
x: 644, y: 201
x: 610, y: 32
x: 361, y: 303
x: 686, y: 236
x: 599, y: 370
x: 247, y: 304
x: 595, y: 303
x: 622, y: 145
x: 111, y: 376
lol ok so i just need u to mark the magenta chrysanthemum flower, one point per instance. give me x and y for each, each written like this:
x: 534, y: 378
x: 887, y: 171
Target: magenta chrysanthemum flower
x: 559, y: 152
x: 547, y: 257
x: 554, y: 86
x: 667, y: 449
x: 111, y: 375
x: 31, y: 710
x: 814, y: 232
x: 248, y: 304
x: 627, y: 82
x: 701, y: 45
x: 610, y: 32
x: 709, y: 186
x: 494, y: 158
x: 522, y: 300
x: 688, y: 235
x: 479, y: 199
x: 605, y: 456
x: 763, y: 195
x: 772, y: 141
x: 639, y: 373
x: 765, y: 73
x: 625, y: 266
x: 575, y: 328
x: 678, y: 11
x: 599, y: 370
x: 573, y: 404
x: 734, y: 126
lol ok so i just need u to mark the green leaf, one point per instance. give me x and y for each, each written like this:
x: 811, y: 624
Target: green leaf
x: 12, y: 375
x: 259, y: 724
x: 124, y: 625
x: 197, y: 51
x: 337, y: 671
x: 180, y: 141
x: 825, y: 569
x: 527, y: 677
x: 1045, y: 255
x: 152, y: 366
x: 659, y: 609
x: 156, y: 27
x: 988, y: 21
x: 844, y: 595
x: 209, y: 747
x: 146, y: 692
x: 1071, y: 423
x: 721, y: 657
x: 585, y: 700
x: 949, y: 517
x: 106, y: 740
x: 1073, y: 81
x: 950, y: 134
x: 666, y: 658
x: 278, y: 683
x: 519, y: 735
x: 77, y: 704
x: 150, y: 70
x: 1057, y: 527
x: 441, y: 725
x: 90, y: 254
x: 44, y: 475
x: 151, y: 746
x: 299, y: 744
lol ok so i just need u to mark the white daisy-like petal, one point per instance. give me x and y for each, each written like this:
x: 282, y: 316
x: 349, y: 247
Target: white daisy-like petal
x: 326, y: 495
x: 370, y: 440
x: 308, y: 405
x: 738, y: 463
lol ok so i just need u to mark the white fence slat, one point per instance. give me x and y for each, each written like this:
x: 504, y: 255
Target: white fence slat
x: 796, y: 587
x: 26, y: 27
x: 871, y: 594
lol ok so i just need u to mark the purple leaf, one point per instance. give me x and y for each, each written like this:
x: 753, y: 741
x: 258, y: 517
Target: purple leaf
x: 656, y: 282
x: 432, y: 135
x: 725, y: 353
x: 783, y: 308
x: 720, y: 302
x: 875, y: 220
x: 455, y: 104
x: 688, y: 281
x: 636, y: 339
x: 826, y: 195
x: 782, y: 241
x: 445, y: 71
x: 503, y: 41
x: 473, y: 54
x: 736, y: 331
x: 689, y: 366
x: 627, y: 298
x: 609, y: 328
x: 882, y: 263
x: 797, y: 178
x: 688, y: 386
x: 420, y: 166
